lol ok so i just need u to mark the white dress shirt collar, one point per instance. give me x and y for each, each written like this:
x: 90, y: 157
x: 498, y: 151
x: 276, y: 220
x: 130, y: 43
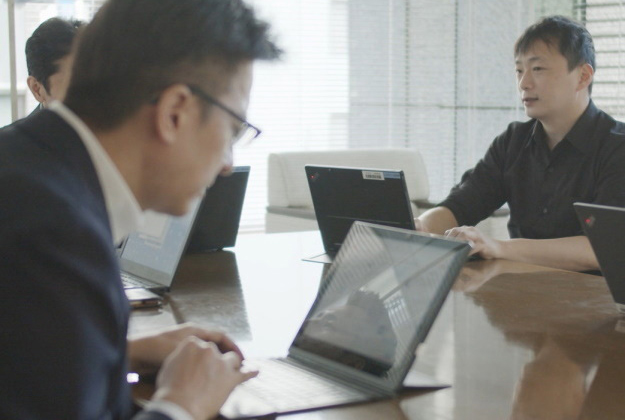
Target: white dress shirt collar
x: 124, y: 212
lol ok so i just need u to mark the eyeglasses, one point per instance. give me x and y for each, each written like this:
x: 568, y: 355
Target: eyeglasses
x: 246, y: 132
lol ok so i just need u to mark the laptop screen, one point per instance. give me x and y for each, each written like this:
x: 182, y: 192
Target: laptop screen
x: 154, y: 251
x: 604, y: 227
x: 380, y: 298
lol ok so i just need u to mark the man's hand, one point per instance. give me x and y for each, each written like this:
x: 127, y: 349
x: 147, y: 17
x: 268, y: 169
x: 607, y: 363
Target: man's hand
x: 481, y: 244
x: 199, y: 378
x: 147, y: 353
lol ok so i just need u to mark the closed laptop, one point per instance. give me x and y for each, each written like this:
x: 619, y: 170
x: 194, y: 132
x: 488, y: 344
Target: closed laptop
x: 217, y: 222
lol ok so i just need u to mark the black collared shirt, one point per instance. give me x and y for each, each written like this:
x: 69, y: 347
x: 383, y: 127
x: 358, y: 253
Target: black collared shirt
x: 541, y: 185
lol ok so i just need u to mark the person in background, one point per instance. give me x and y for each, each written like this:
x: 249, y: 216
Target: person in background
x: 568, y: 151
x: 49, y: 59
x: 158, y: 95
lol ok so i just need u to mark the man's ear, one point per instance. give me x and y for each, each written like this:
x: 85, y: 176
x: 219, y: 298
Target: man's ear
x: 586, y: 76
x: 172, y: 110
x: 37, y: 89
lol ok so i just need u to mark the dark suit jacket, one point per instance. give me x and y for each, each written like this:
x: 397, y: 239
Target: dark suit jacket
x: 63, y: 311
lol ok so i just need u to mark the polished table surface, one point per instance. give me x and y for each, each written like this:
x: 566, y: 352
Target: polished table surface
x: 514, y: 341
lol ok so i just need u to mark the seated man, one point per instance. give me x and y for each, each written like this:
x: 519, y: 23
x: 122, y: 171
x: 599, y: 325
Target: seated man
x: 569, y: 151
x: 49, y: 59
x: 158, y: 96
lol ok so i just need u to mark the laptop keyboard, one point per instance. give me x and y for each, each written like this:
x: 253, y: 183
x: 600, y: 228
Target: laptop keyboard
x: 130, y: 282
x: 289, y: 388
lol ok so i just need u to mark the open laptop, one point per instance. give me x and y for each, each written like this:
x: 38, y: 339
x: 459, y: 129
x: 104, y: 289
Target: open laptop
x: 357, y: 343
x: 605, y: 228
x: 342, y: 195
x: 217, y: 221
x: 150, y: 256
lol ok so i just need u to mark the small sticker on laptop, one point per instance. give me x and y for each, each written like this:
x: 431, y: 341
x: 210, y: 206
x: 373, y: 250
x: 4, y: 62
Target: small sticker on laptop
x: 374, y: 175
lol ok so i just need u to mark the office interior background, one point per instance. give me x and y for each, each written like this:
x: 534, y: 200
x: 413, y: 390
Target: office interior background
x: 434, y: 75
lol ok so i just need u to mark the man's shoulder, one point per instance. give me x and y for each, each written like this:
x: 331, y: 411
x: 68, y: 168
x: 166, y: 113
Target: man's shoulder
x: 515, y: 135
x: 35, y: 195
x: 44, y: 124
x: 520, y: 128
x: 41, y: 137
x: 609, y: 131
x: 617, y: 128
x: 43, y: 173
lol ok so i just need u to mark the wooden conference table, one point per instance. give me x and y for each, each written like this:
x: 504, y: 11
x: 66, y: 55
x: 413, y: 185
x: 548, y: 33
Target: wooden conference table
x: 514, y: 341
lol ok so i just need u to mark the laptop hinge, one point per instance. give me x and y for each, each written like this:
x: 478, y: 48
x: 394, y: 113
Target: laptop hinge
x: 346, y: 375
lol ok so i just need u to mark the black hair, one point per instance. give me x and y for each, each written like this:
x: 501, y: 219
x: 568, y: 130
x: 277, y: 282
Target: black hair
x: 572, y: 39
x: 50, y: 42
x: 133, y: 49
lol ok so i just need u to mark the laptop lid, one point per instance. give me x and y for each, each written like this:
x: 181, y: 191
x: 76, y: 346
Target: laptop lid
x: 154, y: 251
x: 217, y: 222
x: 605, y: 227
x: 343, y: 195
x: 377, y: 303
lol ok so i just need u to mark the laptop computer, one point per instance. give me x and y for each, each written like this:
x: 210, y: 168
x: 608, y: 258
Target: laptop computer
x: 217, y: 221
x: 605, y: 228
x: 343, y: 195
x: 357, y: 343
x: 150, y: 256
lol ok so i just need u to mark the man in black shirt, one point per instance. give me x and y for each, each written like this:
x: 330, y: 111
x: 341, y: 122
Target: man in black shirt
x: 569, y: 151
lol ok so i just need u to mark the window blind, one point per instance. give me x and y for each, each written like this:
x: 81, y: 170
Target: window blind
x: 435, y: 75
x: 605, y: 21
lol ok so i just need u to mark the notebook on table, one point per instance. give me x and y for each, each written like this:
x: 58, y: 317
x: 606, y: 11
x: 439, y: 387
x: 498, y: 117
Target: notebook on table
x: 342, y: 195
x: 217, y: 221
x: 357, y: 343
x: 150, y: 256
x: 605, y: 228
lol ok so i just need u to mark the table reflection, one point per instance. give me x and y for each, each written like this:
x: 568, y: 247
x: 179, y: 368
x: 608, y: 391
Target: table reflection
x: 206, y: 290
x: 211, y: 291
x: 555, y: 384
x: 558, y: 320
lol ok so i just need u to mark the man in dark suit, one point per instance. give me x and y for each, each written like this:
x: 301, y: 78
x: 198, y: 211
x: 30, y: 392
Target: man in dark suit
x: 158, y: 95
x: 49, y: 59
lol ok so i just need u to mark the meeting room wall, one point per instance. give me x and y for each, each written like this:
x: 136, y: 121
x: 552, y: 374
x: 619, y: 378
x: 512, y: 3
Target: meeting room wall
x: 435, y: 75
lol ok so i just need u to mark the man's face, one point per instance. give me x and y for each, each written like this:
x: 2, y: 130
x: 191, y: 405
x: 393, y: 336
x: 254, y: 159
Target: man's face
x: 205, y: 147
x: 548, y: 89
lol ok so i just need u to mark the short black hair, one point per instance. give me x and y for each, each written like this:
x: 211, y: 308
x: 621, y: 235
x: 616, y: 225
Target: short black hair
x: 133, y: 49
x: 572, y: 39
x: 50, y: 42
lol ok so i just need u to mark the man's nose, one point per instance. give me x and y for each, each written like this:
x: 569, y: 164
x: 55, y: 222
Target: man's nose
x: 525, y: 81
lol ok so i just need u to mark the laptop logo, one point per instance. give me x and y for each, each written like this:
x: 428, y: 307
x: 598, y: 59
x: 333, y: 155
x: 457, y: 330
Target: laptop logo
x: 590, y: 221
x: 374, y: 175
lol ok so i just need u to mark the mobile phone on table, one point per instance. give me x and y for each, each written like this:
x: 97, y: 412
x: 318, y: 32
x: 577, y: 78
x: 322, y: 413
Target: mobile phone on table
x: 143, y: 298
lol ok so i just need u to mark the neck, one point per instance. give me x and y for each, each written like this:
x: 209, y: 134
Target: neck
x: 121, y: 146
x: 557, y: 127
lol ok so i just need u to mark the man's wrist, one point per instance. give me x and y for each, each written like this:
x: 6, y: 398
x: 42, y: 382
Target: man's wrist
x: 502, y: 249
